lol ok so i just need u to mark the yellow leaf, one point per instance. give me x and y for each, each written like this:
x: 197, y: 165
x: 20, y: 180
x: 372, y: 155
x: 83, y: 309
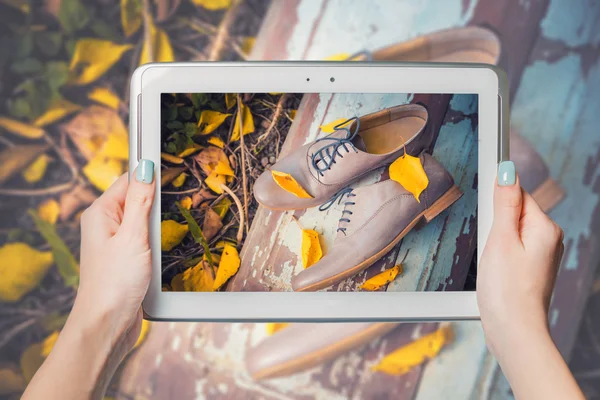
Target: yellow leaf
x: 116, y: 146
x: 273, y: 327
x: 168, y: 174
x: 49, y: 211
x: 210, y: 120
x: 186, y: 202
x: 416, y: 353
x: 48, y: 343
x: 229, y: 265
x: 11, y: 381
x: 31, y: 360
x: 248, y: 44
x: 214, y: 182
x: 230, y: 100
x: 293, y: 114
x: 36, y: 170
x: 21, y: 269
x: 20, y: 128
x: 311, y: 247
x: 247, y: 123
x: 408, y: 171
x: 14, y: 159
x: 103, y: 172
x: 190, y: 150
x: 213, y: 159
x: 338, y: 57
x: 143, y: 333
x: 58, y: 110
x: 171, y: 234
x: 92, y: 58
x: 105, y: 97
x: 158, y: 49
x: 383, y: 278
x: 131, y: 16
x: 216, y: 141
x: 289, y: 184
x: 180, y: 180
x: 328, y: 128
x: 213, y: 5
x: 199, y: 278
x: 222, y: 207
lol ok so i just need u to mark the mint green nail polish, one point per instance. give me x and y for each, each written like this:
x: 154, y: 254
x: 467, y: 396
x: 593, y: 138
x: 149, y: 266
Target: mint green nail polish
x: 145, y: 171
x: 507, y: 175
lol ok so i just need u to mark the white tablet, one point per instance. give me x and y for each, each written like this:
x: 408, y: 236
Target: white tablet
x: 318, y: 191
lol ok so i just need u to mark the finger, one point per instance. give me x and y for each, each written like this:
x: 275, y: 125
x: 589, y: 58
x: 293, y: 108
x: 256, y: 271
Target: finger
x: 508, y: 200
x: 139, y: 200
x: 530, y: 207
x: 103, y: 217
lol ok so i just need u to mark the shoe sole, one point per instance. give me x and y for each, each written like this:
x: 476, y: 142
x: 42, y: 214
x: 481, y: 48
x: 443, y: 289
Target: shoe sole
x: 548, y: 194
x: 325, y: 354
x: 441, y: 204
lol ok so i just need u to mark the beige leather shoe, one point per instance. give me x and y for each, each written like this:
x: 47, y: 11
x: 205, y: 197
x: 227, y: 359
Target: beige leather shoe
x: 333, y: 162
x: 305, y: 345
x: 375, y: 218
x: 476, y: 44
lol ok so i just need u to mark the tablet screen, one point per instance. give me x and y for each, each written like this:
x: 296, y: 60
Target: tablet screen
x: 318, y: 191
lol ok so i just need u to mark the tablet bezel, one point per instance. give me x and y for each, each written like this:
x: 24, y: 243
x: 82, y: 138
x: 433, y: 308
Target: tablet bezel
x: 150, y: 80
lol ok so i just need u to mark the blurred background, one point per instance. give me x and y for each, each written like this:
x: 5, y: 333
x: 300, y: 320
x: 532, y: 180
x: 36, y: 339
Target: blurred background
x: 64, y: 70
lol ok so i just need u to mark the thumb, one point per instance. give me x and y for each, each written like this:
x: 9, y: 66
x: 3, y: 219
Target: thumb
x: 508, y: 199
x: 139, y: 200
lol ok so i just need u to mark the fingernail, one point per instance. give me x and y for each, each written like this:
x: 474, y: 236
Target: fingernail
x: 145, y: 171
x: 506, y: 173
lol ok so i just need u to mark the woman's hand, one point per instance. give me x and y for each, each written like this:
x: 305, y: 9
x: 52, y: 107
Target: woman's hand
x: 116, y: 263
x: 116, y: 267
x: 515, y: 280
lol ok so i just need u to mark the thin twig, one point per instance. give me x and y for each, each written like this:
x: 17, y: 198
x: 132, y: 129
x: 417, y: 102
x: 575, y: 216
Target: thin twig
x: 219, y: 43
x: 184, y: 191
x: 6, y: 142
x: 147, y: 24
x: 8, y: 336
x: 274, y: 119
x: 37, y: 192
x: 243, y: 155
x: 238, y: 203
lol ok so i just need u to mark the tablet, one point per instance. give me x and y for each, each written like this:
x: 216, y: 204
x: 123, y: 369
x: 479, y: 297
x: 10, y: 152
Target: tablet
x: 318, y: 191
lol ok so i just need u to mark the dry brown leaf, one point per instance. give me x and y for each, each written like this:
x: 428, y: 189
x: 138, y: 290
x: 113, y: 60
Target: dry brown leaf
x: 212, y: 224
x: 90, y: 129
x: 168, y: 174
x: 21, y: 129
x: 74, y: 200
x: 289, y: 184
x: 21, y: 269
x: 92, y: 58
x: 201, y: 196
x: 49, y: 211
x: 15, y: 159
x: 213, y: 159
x: 36, y: 171
x: 229, y: 265
x: 11, y: 381
x: 409, y: 172
x: 31, y: 360
x: 230, y: 100
x: 407, y: 357
x: 171, y: 234
x: 383, y: 278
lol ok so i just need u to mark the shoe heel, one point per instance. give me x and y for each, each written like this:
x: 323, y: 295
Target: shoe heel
x: 548, y: 194
x: 447, y: 199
